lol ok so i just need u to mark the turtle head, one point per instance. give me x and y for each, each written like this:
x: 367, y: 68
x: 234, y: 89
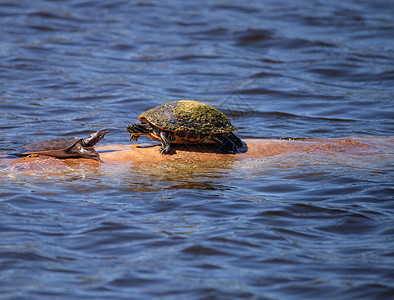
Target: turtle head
x: 136, y: 130
x: 94, y: 138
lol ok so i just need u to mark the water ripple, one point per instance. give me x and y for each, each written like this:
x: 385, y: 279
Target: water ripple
x: 293, y: 225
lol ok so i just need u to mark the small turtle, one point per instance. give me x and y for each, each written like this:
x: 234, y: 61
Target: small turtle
x: 66, y: 147
x: 186, y: 122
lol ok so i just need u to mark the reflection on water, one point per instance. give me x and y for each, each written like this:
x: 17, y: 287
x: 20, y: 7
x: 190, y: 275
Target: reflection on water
x: 296, y: 225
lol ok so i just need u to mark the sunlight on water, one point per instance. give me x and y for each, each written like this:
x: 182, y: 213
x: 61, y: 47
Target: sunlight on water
x: 310, y: 224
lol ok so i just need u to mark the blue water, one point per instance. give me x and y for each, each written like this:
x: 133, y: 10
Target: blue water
x: 291, y: 226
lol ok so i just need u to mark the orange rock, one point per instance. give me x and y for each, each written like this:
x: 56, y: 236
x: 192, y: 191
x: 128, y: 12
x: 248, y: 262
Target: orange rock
x: 118, y: 155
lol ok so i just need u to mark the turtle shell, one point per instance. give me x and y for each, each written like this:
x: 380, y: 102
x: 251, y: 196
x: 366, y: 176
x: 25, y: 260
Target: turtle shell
x: 60, y: 148
x: 54, y: 144
x: 188, y: 116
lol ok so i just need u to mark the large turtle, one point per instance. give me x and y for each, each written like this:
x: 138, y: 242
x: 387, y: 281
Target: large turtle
x: 66, y: 147
x: 186, y: 122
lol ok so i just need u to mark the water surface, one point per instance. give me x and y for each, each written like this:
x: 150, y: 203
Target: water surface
x: 282, y: 227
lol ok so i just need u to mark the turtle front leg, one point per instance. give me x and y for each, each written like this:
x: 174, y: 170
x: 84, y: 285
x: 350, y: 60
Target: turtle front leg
x: 165, y: 144
x: 225, y: 143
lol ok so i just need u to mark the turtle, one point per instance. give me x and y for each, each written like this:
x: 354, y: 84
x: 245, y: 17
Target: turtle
x: 66, y: 147
x: 186, y: 122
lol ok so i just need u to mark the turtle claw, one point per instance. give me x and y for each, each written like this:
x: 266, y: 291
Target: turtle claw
x: 98, y: 159
x: 134, y: 137
x: 166, y: 151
